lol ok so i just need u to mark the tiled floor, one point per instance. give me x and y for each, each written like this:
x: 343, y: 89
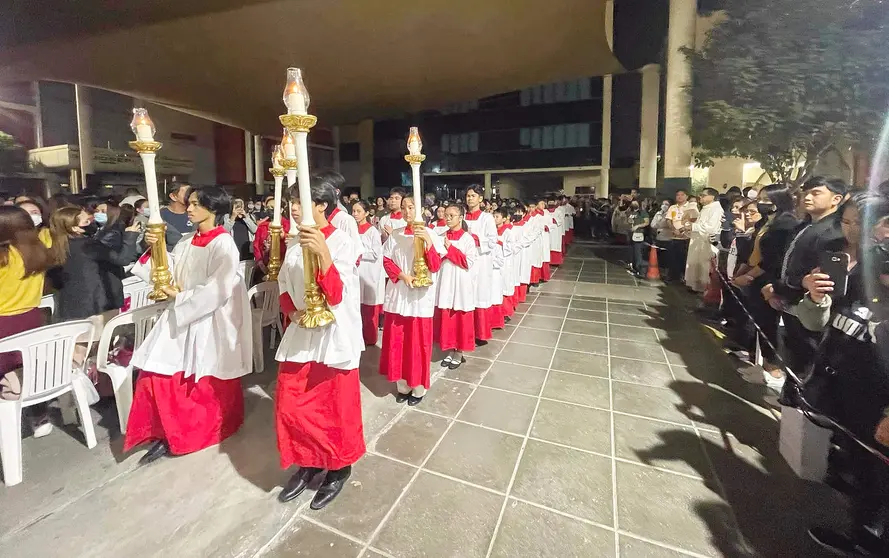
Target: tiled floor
x: 602, y: 421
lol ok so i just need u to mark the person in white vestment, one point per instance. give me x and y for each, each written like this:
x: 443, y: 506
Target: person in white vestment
x: 341, y: 217
x: 556, y: 222
x: 506, y: 239
x: 318, y: 397
x: 545, y: 223
x: 373, y: 284
x: 484, y: 232
x: 409, y: 310
x: 188, y: 396
x: 700, y: 247
x: 395, y: 219
x: 454, y: 325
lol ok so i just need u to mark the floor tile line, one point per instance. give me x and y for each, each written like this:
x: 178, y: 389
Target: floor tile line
x: 602, y: 526
x: 658, y: 468
x: 461, y: 421
x: 719, y: 484
x: 451, y: 421
x: 390, y: 458
x: 334, y: 530
x: 464, y: 481
x: 515, y: 469
x: 614, y: 501
x: 684, y: 552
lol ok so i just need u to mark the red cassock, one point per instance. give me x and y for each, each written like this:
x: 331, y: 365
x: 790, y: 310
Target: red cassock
x: 318, y: 416
x: 535, y: 275
x: 454, y: 321
x: 370, y: 322
x: 407, y: 340
x: 188, y: 415
x: 555, y: 258
x: 545, y: 272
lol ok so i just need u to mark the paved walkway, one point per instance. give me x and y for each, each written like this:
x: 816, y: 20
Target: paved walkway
x: 603, y: 421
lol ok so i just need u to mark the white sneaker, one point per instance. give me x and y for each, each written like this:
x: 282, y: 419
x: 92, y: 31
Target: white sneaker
x: 773, y: 383
x: 42, y: 429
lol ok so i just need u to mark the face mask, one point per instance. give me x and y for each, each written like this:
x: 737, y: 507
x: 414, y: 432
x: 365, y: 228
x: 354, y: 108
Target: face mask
x: 38, y: 220
x: 765, y: 208
x: 100, y: 218
x: 146, y: 212
x: 90, y: 229
x: 250, y: 207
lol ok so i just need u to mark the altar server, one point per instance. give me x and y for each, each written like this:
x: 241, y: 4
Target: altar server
x: 454, y: 326
x: 341, y: 217
x: 507, y: 242
x: 188, y: 396
x: 409, y: 310
x: 556, y: 223
x: 318, y: 397
x: 484, y: 232
x: 373, y: 285
x: 395, y: 219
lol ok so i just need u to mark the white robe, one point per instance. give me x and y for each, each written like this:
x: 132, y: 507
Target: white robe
x: 340, y: 343
x: 395, y: 224
x: 370, y: 272
x: 515, y: 237
x: 556, y: 229
x: 569, y: 216
x: 507, y: 272
x: 400, y: 299
x: 456, y: 290
x: 346, y: 223
x: 528, y: 254
x: 208, y: 329
x: 700, y: 248
x: 483, y: 271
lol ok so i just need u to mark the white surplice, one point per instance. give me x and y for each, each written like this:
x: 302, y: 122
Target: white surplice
x: 700, y: 248
x: 370, y: 272
x: 482, y: 226
x: 498, y: 260
x: 456, y: 290
x: 556, y: 229
x: 507, y: 271
x: 394, y: 220
x: 208, y: 329
x: 400, y: 299
x: 528, y: 253
x: 339, y: 344
x: 346, y: 223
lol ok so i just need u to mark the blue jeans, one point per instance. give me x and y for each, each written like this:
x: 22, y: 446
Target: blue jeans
x: 640, y: 262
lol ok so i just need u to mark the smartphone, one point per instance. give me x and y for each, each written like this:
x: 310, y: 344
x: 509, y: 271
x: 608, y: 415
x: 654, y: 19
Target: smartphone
x: 836, y: 265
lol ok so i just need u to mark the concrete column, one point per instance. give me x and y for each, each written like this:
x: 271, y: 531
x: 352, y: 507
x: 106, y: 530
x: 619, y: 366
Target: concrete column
x: 258, y: 170
x: 84, y: 132
x: 38, y: 116
x: 651, y: 80
x: 366, y: 157
x: 607, y: 82
x: 489, y: 191
x: 248, y: 157
x: 677, y: 129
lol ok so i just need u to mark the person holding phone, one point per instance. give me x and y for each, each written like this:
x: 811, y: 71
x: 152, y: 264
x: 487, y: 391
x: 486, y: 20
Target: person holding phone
x: 242, y: 227
x: 850, y: 376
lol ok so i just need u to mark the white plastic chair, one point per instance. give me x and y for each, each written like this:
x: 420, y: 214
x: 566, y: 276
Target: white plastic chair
x: 266, y: 312
x: 122, y: 376
x: 47, y: 368
x: 48, y: 302
x: 138, y: 293
x: 247, y: 268
x: 132, y: 279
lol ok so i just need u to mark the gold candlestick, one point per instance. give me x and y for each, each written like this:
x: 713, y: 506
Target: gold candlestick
x: 147, y: 149
x: 422, y: 276
x: 275, y: 229
x: 298, y: 123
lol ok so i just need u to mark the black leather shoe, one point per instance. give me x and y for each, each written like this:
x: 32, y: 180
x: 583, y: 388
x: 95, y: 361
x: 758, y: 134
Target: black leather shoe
x: 507, y: 319
x: 402, y: 397
x: 413, y: 401
x: 455, y: 364
x: 297, y: 483
x: 158, y: 450
x: 333, y: 485
x: 480, y: 343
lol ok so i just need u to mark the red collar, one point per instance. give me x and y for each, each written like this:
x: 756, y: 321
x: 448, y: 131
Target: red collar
x: 395, y: 215
x: 409, y: 230
x: 334, y: 213
x: 503, y: 227
x: 473, y: 215
x: 552, y: 209
x: 202, y: 239
x: 440, y: 223
x: 328, y: 230
x: 363, y: 228
x: 455, y: 235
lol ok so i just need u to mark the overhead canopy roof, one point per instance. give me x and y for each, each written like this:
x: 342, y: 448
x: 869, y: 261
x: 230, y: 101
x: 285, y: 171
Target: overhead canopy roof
x: 226, y: 59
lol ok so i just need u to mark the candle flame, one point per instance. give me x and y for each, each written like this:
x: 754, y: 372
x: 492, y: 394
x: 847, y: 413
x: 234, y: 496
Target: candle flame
x: 414, y: 143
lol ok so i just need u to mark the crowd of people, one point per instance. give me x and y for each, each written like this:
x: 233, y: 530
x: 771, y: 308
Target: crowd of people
x: 479, y: 258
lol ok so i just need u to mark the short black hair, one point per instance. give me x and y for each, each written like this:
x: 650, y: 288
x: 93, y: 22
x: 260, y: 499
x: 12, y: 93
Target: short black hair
x: 733, y: 191
x: 321, y: 191
x: 477, y: 188
x: 332, y: 177
x: 175, y: 186
x: 139, y: 203
x: 684, y: 191
x: 214, y: 199
x: 397, y: 190
x: 781, y: 196
x: 364, y: 205
x: 710, y: 192
x: 503, y: 212
x: 835, y: 185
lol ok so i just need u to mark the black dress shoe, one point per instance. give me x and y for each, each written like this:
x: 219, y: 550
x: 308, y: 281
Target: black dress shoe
x: 413, y: 400
x: 297, y: 483
x: 158, y: 450
x: 507, y: 319
x: 333, y: 485
x: 455, y: 364
x: 402, y: 397
x: 480, y: 343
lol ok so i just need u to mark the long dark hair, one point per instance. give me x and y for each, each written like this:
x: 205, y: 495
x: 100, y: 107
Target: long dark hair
x: 17, y: 231
x: 781, y: 196
x: 61, y: 228
x: 462, y: 210
x: 213, y: 199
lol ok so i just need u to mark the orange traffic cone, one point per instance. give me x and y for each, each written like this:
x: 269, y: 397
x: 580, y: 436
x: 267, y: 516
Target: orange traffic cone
x: 654, y: 271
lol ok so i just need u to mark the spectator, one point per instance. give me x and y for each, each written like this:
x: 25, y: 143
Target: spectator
x: 24, y: 259
x: 242, y: 226
x: 174, y: 214
x: 37, y: 210
x: 701, y: 249
x: 638, y: 220
x: 662, y: 230
x: 677, y: 215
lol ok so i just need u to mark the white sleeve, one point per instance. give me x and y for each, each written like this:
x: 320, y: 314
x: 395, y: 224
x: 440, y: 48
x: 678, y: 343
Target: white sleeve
x: 193, y: 304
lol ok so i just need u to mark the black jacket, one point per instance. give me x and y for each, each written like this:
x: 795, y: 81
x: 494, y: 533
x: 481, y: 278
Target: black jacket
x: 808, y: 246
x: 773, y: 245
x: 89, y: 282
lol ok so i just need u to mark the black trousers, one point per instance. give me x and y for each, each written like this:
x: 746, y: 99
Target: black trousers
x: 678, y: 257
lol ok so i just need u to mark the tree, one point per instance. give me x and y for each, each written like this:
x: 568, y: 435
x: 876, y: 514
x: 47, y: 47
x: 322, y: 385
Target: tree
x: 13, y: 157
x: 784, y: 82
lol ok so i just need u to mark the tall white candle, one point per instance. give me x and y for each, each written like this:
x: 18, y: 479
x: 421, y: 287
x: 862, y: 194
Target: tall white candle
x: 291, y: 180
x: 418, y: 209
x: 154, y: 217
x: 305, y: 180
x: 296, y: 103
x: 143, y: 132
x: 279, y: 182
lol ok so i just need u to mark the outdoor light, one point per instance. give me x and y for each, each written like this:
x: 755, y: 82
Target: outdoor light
x: 422, y: 277
x: 147, y: 149
x: 297, y: 123
x: 296, y: 96
x: 142, y: 125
